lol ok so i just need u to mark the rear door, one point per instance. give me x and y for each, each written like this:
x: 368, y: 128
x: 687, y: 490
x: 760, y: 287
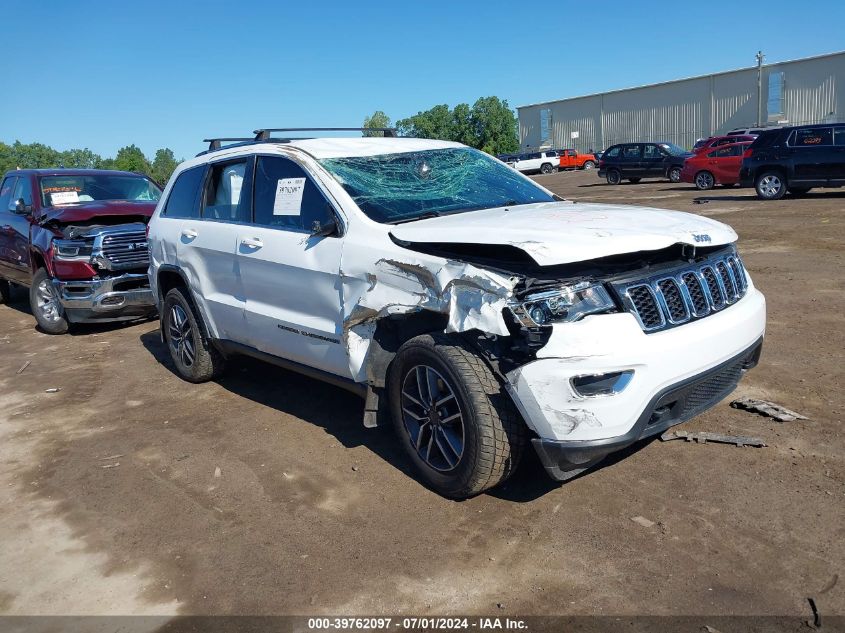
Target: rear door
x: 632, y: 160
x: 724, y: 163
x: 653, y: 161
x: 812, y: 153
x: 290, y: 274
x: 207, y: 249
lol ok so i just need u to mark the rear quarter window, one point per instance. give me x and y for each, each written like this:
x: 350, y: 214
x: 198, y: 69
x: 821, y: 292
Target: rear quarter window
x: 182, y: 201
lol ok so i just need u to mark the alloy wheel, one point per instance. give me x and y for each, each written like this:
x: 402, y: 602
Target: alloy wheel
x: 181, y: 336
x: 47, y: 301
x: 704, y: 180
x: 770, y: 186
x: 433, y: 418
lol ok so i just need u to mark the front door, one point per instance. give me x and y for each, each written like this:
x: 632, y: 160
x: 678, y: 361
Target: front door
x: 725, y: 163
x: 7, y: 230
x: 632, y: 161
x: 653, y: 161
x: 291, y: 275
x: 16, y: 221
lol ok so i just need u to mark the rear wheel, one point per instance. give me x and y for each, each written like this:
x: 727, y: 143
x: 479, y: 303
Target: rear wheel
x: 546, y: 168
x: 455, y: 421
x: 634, y: 180
x: 675, y: 174
x: 770, y: 185
x: 195, y: 358
x: 45, y: 304
x: 589, y: 164
x: 613, y: 177
x: 704, y: 180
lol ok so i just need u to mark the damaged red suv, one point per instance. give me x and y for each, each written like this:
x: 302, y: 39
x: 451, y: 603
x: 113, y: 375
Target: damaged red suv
x: 77, y: 239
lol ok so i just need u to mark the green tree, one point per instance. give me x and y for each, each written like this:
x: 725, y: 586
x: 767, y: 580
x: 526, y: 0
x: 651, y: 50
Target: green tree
x: 33, y: 156
x: 433, y: 123
x: 79, y: 158
x: 376, y: 119
x: 131, y: 158
x: 163, y: 165
x: 463, y: 126
x: 495, y: 126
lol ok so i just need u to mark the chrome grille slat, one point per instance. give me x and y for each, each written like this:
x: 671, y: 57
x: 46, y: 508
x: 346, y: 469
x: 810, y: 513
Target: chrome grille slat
x: 122, y: 249
x: 689, y: 293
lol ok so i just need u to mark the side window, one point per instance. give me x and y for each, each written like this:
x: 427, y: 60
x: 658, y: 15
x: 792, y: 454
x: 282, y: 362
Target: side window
x: 23, y: 191
x: 839, y: 136
x: 613, y: 152
x: 651, y: 152
x: 286, y: 197
x: 812, y: 137
x: 182, y: 202
x: 724, y: 152
x: 227, y: 192
x: 631, y: 152
x: 6, y: 190
x: 570, y: 152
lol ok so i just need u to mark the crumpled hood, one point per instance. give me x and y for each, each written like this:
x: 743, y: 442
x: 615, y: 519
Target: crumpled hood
x: 566, y: 232
x: 84, y: 211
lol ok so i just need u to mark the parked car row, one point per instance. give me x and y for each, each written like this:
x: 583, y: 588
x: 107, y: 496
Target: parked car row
x: 473, y: 309
x: 788, y: 159
x: 549, y: 161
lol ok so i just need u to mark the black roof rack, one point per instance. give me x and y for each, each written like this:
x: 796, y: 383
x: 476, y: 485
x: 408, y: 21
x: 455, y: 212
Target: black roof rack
x: 263, y: 134
x: 215, y: 143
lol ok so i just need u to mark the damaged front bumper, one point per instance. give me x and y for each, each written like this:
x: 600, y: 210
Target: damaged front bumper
x: 674, y: 375
x: 118, y: 298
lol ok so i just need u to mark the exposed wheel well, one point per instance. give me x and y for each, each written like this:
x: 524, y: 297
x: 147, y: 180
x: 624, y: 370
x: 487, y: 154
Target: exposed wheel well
x: 773, y: 168
x: 37, y: 261
x: 168, y: 280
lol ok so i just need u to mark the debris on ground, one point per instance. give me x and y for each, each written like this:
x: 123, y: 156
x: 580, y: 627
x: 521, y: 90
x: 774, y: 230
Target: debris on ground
x: 217, y: 472
x: 24, y: 366
x: 816, y: 622
x: 769, y: 409
x: 700, y: 201
x: 355, y: 468
x: 110, y: 458
x: 115, y: 465
x: 53, y: 390
x: 702, y: 437
x: 642, y: 521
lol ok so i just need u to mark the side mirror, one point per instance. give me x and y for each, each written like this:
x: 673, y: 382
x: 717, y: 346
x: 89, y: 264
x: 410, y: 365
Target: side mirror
x: 324, y: 229
x: 22, y: 208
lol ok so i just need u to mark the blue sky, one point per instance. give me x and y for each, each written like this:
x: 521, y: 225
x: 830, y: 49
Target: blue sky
x: 167, y: 74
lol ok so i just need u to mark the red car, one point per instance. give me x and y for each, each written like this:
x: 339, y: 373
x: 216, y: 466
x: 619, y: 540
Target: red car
x: 720, y: 166
x: 717, y: 141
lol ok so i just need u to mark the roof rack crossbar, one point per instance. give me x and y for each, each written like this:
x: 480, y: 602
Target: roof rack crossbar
x: 215, y: 143
x: 263, y: 134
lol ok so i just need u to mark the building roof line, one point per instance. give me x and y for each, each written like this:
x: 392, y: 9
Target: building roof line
x: 673, y: 81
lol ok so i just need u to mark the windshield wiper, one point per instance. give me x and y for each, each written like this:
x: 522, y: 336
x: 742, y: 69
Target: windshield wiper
x: 422, y: 216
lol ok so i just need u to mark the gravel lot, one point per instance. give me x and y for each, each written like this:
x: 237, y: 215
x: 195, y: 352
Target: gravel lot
x: 131, y: 491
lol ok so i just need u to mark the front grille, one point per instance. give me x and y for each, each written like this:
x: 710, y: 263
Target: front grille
x: 686, y: 294
x: 126, y: 249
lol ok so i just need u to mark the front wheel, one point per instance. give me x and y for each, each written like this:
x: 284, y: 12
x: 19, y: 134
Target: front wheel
x: 675, y: 174
x: 546, y: 168
x: 589, y: 165
x: 455, y: 421
x: 770, y: 185
x: 195, y: 358
x: 614, y: 177
x: 704, y: 180
x: 46, y: 307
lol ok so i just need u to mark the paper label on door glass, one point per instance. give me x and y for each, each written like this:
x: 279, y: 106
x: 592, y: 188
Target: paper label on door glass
x: 64, y: 197
x: 289, y: 196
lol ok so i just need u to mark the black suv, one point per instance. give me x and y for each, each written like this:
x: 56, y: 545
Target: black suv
x: 635, y: 161
x: 795, y: 159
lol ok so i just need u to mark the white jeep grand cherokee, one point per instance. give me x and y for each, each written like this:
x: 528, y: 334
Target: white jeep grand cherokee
x: 472, y: 306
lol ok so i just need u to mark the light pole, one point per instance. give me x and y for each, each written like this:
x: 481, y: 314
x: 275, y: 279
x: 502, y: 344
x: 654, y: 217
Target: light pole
x: 760, y: 58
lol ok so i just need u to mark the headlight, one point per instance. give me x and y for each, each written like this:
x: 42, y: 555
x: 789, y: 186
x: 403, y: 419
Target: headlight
x: 72, y: 249
x: 563, y: 305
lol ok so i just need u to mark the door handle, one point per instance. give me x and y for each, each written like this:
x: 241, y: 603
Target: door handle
x: 252, y: 242
x: 189, y: 233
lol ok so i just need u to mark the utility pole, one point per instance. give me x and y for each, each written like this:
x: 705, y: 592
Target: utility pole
x: 760, y: 58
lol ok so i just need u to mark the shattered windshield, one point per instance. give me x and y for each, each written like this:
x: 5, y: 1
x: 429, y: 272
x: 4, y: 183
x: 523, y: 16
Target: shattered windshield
x: 401, y: 187
x: 70, y: 189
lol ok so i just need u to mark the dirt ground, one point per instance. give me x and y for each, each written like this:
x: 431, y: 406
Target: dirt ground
x: 130, y: 491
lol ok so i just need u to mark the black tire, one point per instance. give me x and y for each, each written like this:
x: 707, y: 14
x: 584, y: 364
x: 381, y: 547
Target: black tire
x: 634, y: 181
x: 674, y: 174
x: 45, y: 304
x: 704, y: 180
x: 196, y: 360
x: 589, y: 164
x: 798, y: 191
x: 613, y: 177
x: 492, y: 434
x: 5, y: 292
x: 770, y: 185
x: 546, y: 168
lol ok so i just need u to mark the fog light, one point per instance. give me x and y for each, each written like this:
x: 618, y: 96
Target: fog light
x: 601, y: 384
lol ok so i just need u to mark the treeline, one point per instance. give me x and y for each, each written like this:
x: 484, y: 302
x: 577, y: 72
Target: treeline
x: 489, y: 125
x: 130, y: 158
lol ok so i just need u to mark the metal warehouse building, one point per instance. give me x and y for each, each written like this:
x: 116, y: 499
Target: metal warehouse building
x: 809, y: 90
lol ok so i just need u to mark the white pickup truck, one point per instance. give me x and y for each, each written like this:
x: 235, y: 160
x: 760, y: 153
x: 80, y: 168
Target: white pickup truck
x: 475, y: 311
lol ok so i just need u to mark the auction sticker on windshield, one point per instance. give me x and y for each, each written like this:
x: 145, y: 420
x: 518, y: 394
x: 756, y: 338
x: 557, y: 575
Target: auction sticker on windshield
x: 64, y: 197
